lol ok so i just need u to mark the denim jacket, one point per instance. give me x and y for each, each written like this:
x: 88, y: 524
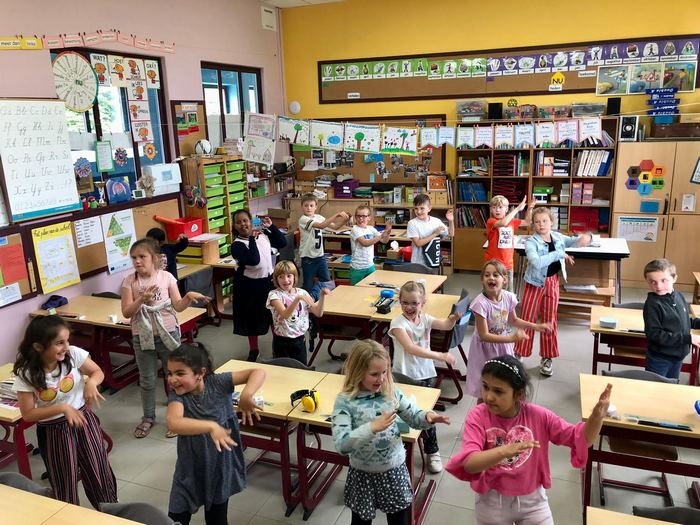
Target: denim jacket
x: 539, y: 257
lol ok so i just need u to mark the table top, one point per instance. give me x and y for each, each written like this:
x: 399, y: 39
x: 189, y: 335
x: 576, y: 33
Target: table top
x: 432, y: 282
x: 610, y: 248
x: 189, y: 269
x: 227, y: 263
x: 646, y: 399
x: 596, y: 516
x: 98, y: 309
x: 332, y: 384
x: 280, y: 382
x: 351, y: 301
x: 397, y: 234
x: 8, y: 415
x: 438, y: 305
x: 627, y: 319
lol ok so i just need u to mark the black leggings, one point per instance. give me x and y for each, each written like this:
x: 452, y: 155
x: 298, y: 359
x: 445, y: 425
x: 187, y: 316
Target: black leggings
x: 395, y: 518
x: 216, y: 515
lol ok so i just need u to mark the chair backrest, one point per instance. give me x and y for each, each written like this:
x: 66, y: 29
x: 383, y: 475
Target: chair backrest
x: 683, y: 515
x: 641, y: 375
x: 139, y: 512
x: 288, y: 362
x: 460, y: 329
x: 200, y: 282
x: 631, y: 306
x: 18, y: 481
x: 107, y: 295
x: 410, y: 267
x: 404, y: 379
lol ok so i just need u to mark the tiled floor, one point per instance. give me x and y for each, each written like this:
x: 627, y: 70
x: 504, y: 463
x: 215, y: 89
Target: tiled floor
x: 144, y: 467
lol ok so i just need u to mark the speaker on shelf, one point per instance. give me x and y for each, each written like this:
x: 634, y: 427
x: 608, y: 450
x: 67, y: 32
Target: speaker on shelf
x: 628, y: 128
x: 613, y: 106
x: 495, y: 111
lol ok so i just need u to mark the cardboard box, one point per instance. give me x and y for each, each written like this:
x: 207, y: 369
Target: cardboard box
x: 438, y: 198
x: 392, y: 254
x: 279, y: 217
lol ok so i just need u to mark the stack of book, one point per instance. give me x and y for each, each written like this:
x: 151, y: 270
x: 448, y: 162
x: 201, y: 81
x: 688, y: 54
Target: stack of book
x: 475, y: 167
x: 471, y: 192
x: 561, y: 167
x: 504, y: 164
x: 8, y: 398
x: 471, y: 216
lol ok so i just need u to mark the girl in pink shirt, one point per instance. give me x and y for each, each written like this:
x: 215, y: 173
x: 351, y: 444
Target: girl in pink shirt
x: 505, y: 444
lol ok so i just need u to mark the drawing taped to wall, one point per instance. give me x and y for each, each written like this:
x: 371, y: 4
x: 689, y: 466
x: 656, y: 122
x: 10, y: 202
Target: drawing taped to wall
x: 362, y: 137
x: 327, y: 135
x: 403, y: 141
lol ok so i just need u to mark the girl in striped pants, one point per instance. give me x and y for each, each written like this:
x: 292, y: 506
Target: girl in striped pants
x: 51, y: 391
x: 546, y: 257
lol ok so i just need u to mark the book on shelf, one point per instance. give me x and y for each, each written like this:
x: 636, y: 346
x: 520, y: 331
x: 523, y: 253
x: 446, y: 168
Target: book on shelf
x: 471, y: 217
x: 593, y: 163
x: 475, y: 167
x: 471, y: 192
x: 437, y: 183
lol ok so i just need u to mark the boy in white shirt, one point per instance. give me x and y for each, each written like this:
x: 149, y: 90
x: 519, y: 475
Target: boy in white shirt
x: 425, y: 232
x: 313, y: 263
x: 363, y: 237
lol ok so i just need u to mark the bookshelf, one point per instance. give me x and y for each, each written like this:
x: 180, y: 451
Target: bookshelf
x: 575, y: 181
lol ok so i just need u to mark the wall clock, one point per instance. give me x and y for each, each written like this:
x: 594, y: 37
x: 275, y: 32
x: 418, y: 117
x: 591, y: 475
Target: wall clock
x: 76, y: 81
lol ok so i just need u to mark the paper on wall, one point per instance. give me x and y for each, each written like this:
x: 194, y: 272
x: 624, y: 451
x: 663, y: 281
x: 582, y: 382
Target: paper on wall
x: 119, y: 234
x: 55, y: 256
x: 88, y: 231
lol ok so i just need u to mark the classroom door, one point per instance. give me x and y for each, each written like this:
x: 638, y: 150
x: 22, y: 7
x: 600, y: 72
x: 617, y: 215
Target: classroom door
x: 685, y: 194
x: 644, y: 163
x: 645, y: 244
x: 681, y: 248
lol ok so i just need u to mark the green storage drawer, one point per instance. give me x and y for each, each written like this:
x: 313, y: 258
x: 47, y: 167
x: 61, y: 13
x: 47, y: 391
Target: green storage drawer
x: 223, y: 240
x: 213, y: 180
x: 236, y: 186
x: 236, y: 206
x: 225, y: 250
x: 341, y: 273
x: 215, y: 213
x: 215, y: 202
x: 236, y: 197
x: 215, y: 191
x: 216, y: 223
x: 235, y: 176
x: 212, y: 168
x: 238, y: 165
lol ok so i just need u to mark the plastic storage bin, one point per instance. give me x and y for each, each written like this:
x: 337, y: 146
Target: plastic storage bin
x: 190, y: 226
x: 212, y: 168
x: 383, y: 197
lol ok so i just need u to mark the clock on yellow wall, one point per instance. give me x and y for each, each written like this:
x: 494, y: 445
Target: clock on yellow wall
x: 75, y: 80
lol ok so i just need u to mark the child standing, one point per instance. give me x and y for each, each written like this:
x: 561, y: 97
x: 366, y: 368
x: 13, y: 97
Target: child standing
x: 505, y: 446
x: 546, y: 256
x: 150, y: 298
x: 494, y: 311
x: 252, y: 280
x: 363, y: 237
x: 364, y: 427
x: 168, y: 251
x: 500, y: 232
x: 667, y: 322
x: 413, y: 357
x: 425, y: 232
x: 311, y: 225
x: 290, y: 307
x: 210, y: 466
x: 52, y: 391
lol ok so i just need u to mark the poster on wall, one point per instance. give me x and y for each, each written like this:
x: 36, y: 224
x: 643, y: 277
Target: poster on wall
x: 292, y: 130
x: 638, y: 229
x: 152, y: 74
x: 55, y: 255
x: 139, y: 110
x: 327, y: 135
x: 362, y: 137
x: 142, y: 131
x: 135, y: 69
x: 117, y: 71
x: 260, y: 125
x: 101, y: 67
x: 119, y: 234
x: 136, y: 90
x: 258, y: 149
x: 680, y: 75
x: 612, y: 80
x: 401, y: 141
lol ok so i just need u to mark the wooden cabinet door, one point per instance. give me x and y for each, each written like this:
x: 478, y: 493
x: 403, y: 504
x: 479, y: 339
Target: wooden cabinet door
x: 632, y: 154
x: 641, y: 252
x: 467, y: 251
x: 687, y: 154
x: 682, y: 248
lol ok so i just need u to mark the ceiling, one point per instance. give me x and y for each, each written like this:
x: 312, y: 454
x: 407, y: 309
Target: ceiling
x: 298, y: 3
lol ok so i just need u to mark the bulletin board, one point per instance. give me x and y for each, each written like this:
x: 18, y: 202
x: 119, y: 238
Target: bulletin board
x: 15, y: 266
x: 185, y: 132
x: 493, y: 72
x: 365, y: 171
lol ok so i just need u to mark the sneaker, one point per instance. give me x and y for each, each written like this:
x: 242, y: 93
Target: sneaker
x: 434, y: 463
x: 546, y: 367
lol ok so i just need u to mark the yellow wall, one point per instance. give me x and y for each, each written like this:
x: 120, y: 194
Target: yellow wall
x: 368, y: 28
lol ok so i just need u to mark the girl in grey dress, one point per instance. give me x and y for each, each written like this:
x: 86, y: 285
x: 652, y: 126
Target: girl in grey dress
x: 210, y: 466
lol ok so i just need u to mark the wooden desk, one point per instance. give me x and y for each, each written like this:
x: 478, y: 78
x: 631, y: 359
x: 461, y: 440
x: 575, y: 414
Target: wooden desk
x: 649, y: 400
x: 436, y: 304
x: 13, y: 445
x: 629, y: 319
x: 190, y: 269
x: 319, y: 422
x: 271, y: 434
x: 351, y: 301
x: 597, y: 516
x: 433, y: 283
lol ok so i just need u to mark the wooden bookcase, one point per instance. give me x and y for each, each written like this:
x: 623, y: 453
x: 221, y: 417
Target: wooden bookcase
x: 482, y: 173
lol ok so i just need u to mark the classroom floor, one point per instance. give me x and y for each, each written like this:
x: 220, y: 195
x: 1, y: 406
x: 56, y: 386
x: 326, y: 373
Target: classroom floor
x: 144, y: 467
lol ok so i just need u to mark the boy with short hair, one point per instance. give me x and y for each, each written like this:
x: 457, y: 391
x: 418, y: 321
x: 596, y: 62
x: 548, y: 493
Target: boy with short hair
x: 168, y: 252
x: 667, y: 322
x: 363, y: 237
x: 500, y: 232
x: 425, y: 232
x: 311, y: 225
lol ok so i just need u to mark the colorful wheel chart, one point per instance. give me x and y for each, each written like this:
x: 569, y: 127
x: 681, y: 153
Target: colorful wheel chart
x: 75, y: 80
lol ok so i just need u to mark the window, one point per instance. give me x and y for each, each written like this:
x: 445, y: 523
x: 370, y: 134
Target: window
x: 110, y: 119
x: 229, y: 92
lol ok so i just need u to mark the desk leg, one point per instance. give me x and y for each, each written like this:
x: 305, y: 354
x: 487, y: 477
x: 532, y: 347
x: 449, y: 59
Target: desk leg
x: 13, y: 446
x: 694, y: 359
x: 417, y: 510
x: 618, y: 280
x: 594, y: 371
x: 586, y: 487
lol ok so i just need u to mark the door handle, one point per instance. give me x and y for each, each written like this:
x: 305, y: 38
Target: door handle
x: 663, y: 223
x: 665, y: 205
x: 674, y: 203
x: 673, y: 222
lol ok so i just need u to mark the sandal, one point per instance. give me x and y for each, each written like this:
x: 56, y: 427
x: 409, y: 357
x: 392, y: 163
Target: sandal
x: 143, y: 428
x: 170, y: 434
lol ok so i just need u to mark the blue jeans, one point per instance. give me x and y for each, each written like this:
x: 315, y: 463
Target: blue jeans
x: 314, y: 267
x: 663, y: 365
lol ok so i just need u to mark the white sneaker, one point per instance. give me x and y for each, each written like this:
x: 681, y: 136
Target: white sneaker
x: 546, y: 367
x: 434, y: 463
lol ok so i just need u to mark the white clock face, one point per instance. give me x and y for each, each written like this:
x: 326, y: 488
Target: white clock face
x: 76, y: 82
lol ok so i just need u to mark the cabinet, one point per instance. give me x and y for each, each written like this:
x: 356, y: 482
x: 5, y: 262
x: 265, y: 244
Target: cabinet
x: 675, y: 229
x: 576, y: 183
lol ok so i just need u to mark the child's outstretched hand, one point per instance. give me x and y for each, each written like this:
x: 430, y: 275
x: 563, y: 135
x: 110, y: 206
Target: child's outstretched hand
x: 547, y: 328
x: 449, y: 215
x: 196, y: 297
x: 449, y: 358
x: 266, y: 222
x: 432, y: 418
x: 325, y: 291
x: 91, y: 394
x: 569, y: 259
x: 522, y: 204
x: 513, y: 449
x: 600, y: 410
x: 249, y: 410
x: 519, y: 335
x: 531, y: 204
x: 222, y: 437
x: 383, y: 422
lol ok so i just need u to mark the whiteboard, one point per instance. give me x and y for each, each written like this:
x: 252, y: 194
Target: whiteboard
x: 36, y: 159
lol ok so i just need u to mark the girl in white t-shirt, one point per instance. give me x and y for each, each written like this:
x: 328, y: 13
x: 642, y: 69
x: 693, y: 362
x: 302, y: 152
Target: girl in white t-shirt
x: 413, y: 357
x: 290, y: 308
x: 363, y: 237
x: 150, y: 298
x: 52, y: 392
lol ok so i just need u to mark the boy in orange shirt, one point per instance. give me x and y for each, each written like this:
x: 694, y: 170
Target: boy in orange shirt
x: 500, y: 232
